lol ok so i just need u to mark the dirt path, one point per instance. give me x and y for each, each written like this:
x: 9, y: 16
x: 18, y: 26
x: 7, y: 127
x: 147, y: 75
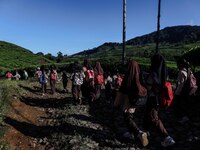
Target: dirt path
x: 18, y: 135
x: 27, y: 123
x: 54, y: 122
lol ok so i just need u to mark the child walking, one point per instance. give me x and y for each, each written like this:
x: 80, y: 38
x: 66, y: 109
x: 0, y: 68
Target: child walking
x: 77, y: 80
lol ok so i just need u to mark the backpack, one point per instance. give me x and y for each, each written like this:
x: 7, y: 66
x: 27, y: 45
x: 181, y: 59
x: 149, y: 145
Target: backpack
x: 119, y: 81
x: 9, y: 75
x: 90, y: 74
x: 53, y: 75
x: 77, y: 78
x: 166, y: 95
x: 99, y: 79
x: 43, y: 79
x: 190, y: 86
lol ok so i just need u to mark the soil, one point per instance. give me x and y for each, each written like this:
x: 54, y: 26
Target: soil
x: 55, y: 122
x: 25, y: 124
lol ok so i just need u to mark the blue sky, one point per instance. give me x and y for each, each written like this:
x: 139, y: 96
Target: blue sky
x: 70, y: 26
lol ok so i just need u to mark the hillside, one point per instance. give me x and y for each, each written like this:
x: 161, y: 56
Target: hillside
x: 15, y: 57
x: 174, y: 41
x: 176, y: 34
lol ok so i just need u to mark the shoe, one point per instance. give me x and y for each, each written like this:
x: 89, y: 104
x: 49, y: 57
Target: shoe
x: 168, y: 141
x: 183, y: 120
x: 127, y: 135
x: 143, y: 138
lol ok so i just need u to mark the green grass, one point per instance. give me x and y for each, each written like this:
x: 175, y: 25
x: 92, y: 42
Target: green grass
x: 14, y: 57
x: 7, y: 90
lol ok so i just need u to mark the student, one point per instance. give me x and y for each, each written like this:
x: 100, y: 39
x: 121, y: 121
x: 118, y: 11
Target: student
x: 181, y: 101
x: 77, y: 80
x: 17, y: 76
x: 25, y: 75
x: 87, y: 88
x: 38, y: 73
x: 84, y: 86
x: 98, y: 80
x: 108, y: 87
x: 131, y: 89
x: 155, y: 82
x: 53, y: 78
x: 9, y: 75
x: 64, y: 78
x: 43, y: 80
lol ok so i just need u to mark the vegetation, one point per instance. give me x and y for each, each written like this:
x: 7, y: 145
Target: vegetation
x: 7, y: 90
x: 14, y: 57
x: 174, y: 42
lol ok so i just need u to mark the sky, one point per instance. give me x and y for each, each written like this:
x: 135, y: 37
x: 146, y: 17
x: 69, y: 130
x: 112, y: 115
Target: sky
x: 71, y: 26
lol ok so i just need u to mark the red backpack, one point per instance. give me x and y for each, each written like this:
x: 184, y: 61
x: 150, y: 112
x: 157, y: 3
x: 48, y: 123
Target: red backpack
x: 166, y: 95
x: 90, y: 74
x: 99, y: 79
x: 9, y: 75
x: 53, y: 75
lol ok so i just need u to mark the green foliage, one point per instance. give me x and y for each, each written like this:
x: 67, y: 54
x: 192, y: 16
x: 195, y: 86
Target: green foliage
x: 193, y: 56
x: 7, y: 90
x: 174, y: 41
x: 14, y: 57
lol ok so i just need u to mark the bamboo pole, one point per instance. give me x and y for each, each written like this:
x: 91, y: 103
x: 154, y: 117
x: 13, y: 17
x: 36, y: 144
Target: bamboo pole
x: 158, y: 27
x: 124, y: 32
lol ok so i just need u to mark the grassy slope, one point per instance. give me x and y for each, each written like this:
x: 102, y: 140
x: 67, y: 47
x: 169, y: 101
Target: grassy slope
x: 113, y: 54
x: 15, y: 57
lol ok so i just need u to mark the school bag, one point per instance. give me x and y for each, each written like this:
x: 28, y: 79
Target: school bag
x: 90, y: 74
x: 77, y: 78
x: 9, y: 75
x: 43, y: 79
x: 53, y: 75
x: 190, y: 86
x: 119, y: 81
x: 99, y: 79
x: 166, y: 95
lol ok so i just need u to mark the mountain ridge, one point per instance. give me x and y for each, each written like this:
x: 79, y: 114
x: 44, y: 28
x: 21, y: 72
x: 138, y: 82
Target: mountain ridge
x: 168, y: 35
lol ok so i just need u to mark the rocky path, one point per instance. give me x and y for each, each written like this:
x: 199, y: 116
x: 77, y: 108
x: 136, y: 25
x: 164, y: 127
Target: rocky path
x: 53, y: 122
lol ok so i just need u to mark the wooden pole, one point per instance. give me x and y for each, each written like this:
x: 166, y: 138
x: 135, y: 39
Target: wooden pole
x: 158, y: 27
x: 124, y: 32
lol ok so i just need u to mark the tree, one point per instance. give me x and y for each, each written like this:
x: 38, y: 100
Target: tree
x: 193, y: 56
x: 40, y: 54
x: 59, y: 57
x: 49, y: 56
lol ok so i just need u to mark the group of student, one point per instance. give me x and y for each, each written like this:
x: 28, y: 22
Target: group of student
x: 17, y: 76
x: 44, y: 76
x: 129, y: 90
x: 132, y: 90
x: 86, y: 81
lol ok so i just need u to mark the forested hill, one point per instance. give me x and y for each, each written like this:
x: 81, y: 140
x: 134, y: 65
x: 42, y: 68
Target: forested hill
x: 175, y: 34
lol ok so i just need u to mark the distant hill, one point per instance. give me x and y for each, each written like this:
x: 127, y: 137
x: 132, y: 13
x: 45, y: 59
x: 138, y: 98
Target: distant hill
x: 13, y: 57
x: 175, y: 34
x: 174, y: 41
